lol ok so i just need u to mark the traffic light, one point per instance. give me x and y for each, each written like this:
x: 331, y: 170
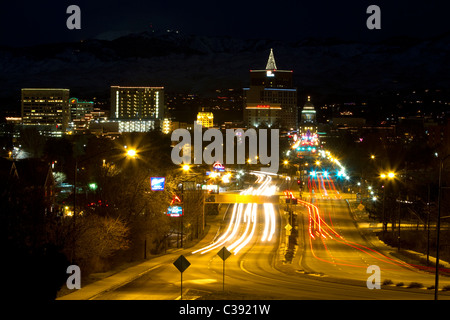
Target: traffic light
x: 298, y: 181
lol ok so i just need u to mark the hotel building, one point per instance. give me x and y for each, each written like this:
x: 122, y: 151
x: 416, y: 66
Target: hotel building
x: 137, y: 109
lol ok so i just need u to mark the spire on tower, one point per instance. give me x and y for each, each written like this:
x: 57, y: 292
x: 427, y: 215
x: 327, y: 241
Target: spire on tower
x: 271, y: 62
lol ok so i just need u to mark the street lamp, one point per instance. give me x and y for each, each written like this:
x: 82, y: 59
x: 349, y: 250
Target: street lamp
x: 390, y: 175
x: 131, y: 153
x: 438, y: 227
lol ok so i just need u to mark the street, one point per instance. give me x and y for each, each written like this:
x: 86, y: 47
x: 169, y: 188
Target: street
x: 331, y: 262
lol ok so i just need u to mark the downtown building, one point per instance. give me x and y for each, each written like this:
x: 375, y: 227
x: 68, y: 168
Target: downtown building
x: 46, y: 109
x: 80, y: 114
x: 205, y: 118
x: 137, y: 109
x: 271, y: 99
x: 308, y: 121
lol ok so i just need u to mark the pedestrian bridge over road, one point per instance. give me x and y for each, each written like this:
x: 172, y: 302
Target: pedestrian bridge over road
x: 241, y: 198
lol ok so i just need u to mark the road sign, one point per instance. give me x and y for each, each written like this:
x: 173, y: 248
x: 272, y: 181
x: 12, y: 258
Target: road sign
x: 224, y: 253
x: 181, y: 264
x: 361, y: 207
x: 288, y: 227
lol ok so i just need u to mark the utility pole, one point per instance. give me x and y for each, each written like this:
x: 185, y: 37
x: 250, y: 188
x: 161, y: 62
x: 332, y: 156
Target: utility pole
x: 438, y: 227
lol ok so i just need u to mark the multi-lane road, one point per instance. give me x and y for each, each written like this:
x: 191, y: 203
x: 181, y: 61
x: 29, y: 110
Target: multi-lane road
x: 331, y: 261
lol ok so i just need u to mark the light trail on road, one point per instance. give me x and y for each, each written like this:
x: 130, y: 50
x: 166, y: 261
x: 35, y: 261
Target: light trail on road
x: 320, y: 230
x: 323, y: 235
x: 245, y: 218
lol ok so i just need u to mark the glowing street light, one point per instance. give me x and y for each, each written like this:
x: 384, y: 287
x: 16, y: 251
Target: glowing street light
x: 186, y: 167
x: 389, y: 175
x: 131, y: 152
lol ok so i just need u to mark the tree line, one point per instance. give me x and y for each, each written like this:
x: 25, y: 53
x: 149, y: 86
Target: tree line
x: 117, y: 219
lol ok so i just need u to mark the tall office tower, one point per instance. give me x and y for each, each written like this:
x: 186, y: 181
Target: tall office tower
x: 137, y: 108
x: 47, y: 109
x: 271, y: 98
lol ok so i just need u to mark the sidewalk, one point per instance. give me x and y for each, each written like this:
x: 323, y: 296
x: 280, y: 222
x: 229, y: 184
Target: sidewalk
x: 123, y: 277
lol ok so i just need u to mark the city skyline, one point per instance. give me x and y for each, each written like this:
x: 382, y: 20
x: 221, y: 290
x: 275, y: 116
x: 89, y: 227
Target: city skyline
x: 257, y: 151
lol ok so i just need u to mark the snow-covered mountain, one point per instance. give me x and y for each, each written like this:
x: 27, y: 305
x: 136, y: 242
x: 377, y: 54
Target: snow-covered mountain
x: 200, y: 64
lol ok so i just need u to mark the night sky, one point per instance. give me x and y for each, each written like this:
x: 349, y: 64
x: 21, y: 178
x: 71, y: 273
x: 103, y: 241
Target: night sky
x: 29, y: 23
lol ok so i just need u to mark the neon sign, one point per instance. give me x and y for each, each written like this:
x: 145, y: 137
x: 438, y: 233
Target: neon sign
x: 175, y: 211
x: 218, y: 166
x: 157, y: 183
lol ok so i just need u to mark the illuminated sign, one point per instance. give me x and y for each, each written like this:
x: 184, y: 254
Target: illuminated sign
x: 270, y: 74
x: 210, y: 188
x: 157, y: 183
x: 218, y: 166
x: 175, y: 211
x: 175, y: 199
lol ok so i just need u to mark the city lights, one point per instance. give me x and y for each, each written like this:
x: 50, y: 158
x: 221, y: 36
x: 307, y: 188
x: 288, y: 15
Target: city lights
x: 304, y: 180
x: 131, y: 152
x: 389, y: 175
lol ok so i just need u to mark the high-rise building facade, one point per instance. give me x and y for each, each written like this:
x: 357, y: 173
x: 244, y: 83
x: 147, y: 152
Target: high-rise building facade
x: 137, y: 108
x: 80, y: 114
x: 206, y: 119
x: 271, y: 99
x: 79, y: 109
x: 137, y: 103
x: 47, y: 109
